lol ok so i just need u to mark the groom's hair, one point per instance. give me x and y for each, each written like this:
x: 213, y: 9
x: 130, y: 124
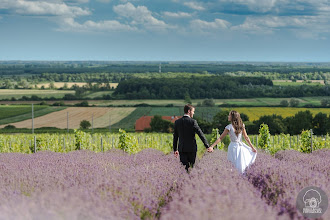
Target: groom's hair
x: 187, y: 108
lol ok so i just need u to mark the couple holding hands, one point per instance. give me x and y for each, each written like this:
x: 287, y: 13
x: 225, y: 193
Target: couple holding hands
x: 186, y: 127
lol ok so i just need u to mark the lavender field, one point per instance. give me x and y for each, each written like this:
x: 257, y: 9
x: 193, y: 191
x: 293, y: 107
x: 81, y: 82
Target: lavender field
x: 152, y: 185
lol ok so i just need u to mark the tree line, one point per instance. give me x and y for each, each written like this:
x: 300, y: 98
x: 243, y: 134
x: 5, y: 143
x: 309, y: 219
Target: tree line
x: 217, y: 87
x: 303, y: 120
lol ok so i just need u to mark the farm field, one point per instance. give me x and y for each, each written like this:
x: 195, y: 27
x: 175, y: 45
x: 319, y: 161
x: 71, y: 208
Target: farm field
x: 16, y: 115
x: 102, y: 117
x: 125, y: 117
x: 316, y: 101
x: 255, y: 113
x: 240, y: 102
x: 70, y: 84
x: 19, y: 93
x: 153, y: 185
x: 8, y: 111
x: 206, y: 113
x: 297, y: 83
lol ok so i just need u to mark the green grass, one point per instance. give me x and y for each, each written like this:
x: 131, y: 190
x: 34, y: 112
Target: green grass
x: 21, y: 116
x: 8, y: 111
x: 19, y: 93
x: 98, y: 94
x: 297, y: 83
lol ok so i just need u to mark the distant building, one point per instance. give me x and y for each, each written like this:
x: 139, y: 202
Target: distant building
x: 144, y: 122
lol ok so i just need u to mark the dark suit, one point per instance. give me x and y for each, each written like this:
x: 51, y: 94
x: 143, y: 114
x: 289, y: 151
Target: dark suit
x: 185, y: 129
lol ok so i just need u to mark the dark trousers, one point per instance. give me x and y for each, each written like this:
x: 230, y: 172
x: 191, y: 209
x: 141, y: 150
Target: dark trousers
x: 188, y: 159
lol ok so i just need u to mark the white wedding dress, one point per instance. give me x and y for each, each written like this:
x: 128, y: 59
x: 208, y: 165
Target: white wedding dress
x: 239, y: 153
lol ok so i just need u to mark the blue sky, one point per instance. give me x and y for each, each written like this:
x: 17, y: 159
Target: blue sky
x: 165, y: 30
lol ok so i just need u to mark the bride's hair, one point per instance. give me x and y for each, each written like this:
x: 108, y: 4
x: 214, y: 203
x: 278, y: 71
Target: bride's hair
x: 236, y: 121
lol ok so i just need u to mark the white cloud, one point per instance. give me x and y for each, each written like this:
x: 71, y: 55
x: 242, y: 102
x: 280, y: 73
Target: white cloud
x: 140, y: 15
x: 302, y: 26
x: 104, y: 1
x: 76, y: 1
x: 177, y: 14
x: 256, y: 5
x: 194, y: 5
x: 213, y: 25
x: 43, y: 8
x: 69, y: 24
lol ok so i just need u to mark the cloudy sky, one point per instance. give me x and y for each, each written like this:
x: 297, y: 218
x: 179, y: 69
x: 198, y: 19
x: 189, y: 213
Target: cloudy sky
x: 165, y: 30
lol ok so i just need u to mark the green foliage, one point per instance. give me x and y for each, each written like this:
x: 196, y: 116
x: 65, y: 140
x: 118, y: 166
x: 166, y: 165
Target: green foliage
x: 264, y: 142
x: 294, y: 102
x: 187, y: 98
x: 80, y: 137
x: 325, y: 102
x: 220, y: 120
x: 208, y: 103
x: 9, y: 127
x: 305, y: 141
x: 284, y: 103
x: 215, y: 135
x: 157, y: 124
x: 127, y: 142
x: 84, y: 124
x: 82, y: 104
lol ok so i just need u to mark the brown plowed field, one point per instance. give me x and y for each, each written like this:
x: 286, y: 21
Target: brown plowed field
x: 102, y: 116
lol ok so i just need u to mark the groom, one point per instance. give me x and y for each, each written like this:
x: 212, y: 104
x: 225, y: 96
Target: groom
x: 185, y: 129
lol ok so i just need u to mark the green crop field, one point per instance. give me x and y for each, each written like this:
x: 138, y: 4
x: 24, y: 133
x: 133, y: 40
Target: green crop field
x: 19, y: 93
x: 15, y: 113
x: 316, y: 101
x: 297, y: 83
x: 7, y: 111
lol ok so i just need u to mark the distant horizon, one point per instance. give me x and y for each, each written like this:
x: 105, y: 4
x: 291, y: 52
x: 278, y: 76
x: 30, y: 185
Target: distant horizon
x: 164, y: 61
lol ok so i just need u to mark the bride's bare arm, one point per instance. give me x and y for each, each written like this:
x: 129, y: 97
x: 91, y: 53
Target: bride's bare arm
x: 224, y: 133
x: 248, y: 140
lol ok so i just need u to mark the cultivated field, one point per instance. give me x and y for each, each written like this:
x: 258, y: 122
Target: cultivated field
x: 70, y: 84
x: 255, y: 113
x: 297, y: 83
x: 102, y: 117
x: 19, y: 93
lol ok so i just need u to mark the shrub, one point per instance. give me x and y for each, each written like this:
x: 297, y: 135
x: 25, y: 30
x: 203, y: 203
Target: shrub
x: 264, y: 134
x: 84, y: 124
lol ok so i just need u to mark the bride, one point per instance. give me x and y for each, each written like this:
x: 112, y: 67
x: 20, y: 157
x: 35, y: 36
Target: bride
x: 239, y: 153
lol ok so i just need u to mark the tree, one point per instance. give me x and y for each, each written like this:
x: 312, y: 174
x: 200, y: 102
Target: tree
x: 294, y: 102
x: 208, y: 102
x: 205, y: 126
x: 187, y: 98
x: 244, y: 117
x: 84, y: 124
x: 275, y: 123
x: 320, y: 123
x: 325, y: 102
x: 52, y: 85
x: 284, y: 103
x: 299, y: 122
x: 220, y: 120
x: 158, y: 124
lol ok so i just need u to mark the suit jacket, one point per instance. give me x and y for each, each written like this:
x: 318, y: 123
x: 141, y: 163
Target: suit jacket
x: 185, y: 129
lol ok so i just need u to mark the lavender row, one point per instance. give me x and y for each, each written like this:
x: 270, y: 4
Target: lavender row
x: 86, y: 185
x: 280, y: 181
x: 215, y: 190
x: 317, y: 161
